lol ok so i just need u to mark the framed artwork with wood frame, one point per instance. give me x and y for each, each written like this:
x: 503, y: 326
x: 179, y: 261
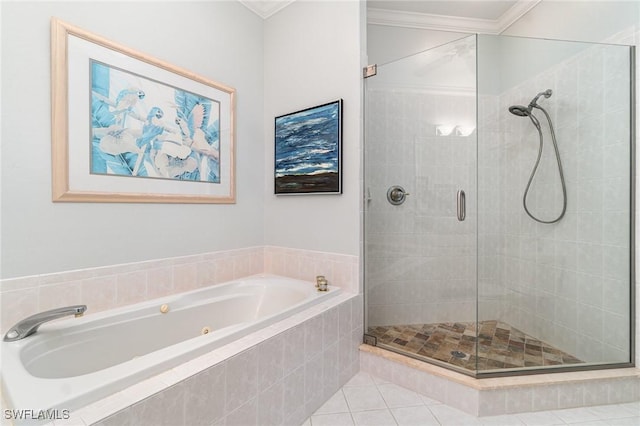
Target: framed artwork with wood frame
x: 127, y: 127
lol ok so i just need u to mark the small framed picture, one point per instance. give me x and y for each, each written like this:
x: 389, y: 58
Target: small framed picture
x: 308, y: 150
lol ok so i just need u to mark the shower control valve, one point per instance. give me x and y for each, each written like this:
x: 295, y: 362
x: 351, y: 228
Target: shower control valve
x: 396, y: 195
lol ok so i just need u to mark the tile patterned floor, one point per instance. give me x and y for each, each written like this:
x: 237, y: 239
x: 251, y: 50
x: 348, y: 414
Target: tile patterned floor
x: 369, y: 401
x: 499, y: 344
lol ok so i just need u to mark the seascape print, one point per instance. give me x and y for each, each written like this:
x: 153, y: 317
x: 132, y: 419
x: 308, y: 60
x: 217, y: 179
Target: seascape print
x: 307, y: 150
x: 143, y: 128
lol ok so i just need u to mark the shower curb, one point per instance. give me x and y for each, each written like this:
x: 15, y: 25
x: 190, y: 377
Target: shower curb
x: 503, y: 395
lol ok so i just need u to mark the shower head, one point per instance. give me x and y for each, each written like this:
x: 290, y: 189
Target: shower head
x: 519, y: 110
x: 534, y: 102
x: 525, y: 111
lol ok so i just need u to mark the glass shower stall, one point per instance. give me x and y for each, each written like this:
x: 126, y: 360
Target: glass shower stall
x: 499, y: 206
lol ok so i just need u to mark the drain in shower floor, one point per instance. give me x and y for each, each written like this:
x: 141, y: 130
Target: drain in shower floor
x: 458, y: 354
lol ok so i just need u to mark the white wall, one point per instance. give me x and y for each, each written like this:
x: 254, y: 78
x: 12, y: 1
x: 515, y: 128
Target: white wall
x: 312, y: 56
x: 219, y: 40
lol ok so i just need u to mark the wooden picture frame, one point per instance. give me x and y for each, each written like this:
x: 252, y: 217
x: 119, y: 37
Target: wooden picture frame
x: 127, y: 127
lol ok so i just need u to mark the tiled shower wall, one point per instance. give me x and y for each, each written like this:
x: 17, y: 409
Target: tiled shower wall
x: 420, y: 259
x: 566, y: 283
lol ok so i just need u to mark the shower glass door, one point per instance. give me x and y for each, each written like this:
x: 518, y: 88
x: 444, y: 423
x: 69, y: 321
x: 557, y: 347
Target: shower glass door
x: 554, y: 269
x: 420, y: 208
x: 498, y: 205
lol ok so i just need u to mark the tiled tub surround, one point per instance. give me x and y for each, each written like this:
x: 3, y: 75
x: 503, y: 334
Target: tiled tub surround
x: 120, y: 285
x: 340, y: 270
x: 504, y: 395
x: 279, y: 375
x: 78, y: 361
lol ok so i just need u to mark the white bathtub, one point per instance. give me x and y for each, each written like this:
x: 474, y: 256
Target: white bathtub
x: 70, y: 363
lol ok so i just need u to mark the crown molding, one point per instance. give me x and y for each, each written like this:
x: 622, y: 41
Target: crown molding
x: 265, y: 8
x: 396, y: 18
x: 427, y: 21
x: 517, y: 11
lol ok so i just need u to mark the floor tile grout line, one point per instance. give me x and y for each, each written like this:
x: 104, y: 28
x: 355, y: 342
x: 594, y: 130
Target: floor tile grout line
x: 626, y: 410
x: 381, y: 396
x: 516, y: 415
x: 393, y: 417
x: 353, y: 420
x: 384, y: 400
x: 421, y: 401
x: 434, y: 415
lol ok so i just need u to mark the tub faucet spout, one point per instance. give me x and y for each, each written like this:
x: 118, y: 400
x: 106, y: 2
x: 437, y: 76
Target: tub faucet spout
x: 30, y: 325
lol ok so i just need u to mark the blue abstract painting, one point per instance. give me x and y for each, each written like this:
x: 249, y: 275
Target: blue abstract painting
x: 145, y: 128
x: 308, y: 150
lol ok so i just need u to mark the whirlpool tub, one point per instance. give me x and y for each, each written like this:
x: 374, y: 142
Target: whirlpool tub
x: 70, y: 363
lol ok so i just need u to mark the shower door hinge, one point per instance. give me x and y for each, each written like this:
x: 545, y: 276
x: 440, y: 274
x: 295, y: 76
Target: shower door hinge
x: 370, y: 340
x: 370, y: 71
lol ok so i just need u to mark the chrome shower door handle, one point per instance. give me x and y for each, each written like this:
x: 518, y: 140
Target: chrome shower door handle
x: 462, y: 207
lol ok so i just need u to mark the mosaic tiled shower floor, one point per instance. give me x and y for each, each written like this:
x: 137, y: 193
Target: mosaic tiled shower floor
x: 499, y: 345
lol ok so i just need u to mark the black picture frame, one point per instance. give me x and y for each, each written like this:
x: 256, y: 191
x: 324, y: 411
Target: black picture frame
x: 308, y: 150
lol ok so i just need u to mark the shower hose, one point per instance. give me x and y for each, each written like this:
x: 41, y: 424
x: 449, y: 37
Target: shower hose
x: 536, y: 123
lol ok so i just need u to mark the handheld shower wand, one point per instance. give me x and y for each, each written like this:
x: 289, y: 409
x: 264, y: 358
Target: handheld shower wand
x: 522, y: 111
